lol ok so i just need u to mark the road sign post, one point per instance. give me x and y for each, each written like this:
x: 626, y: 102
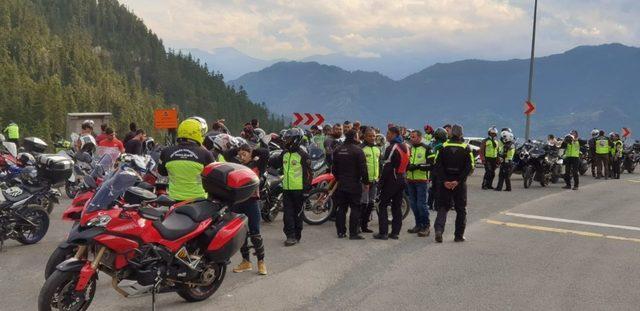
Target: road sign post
x: 527, y: 131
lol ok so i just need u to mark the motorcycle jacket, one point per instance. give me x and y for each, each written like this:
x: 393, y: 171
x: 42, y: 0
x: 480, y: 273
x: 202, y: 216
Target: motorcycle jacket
x: 183, y: 163
x: 454, y: 162
x: 350, y: 167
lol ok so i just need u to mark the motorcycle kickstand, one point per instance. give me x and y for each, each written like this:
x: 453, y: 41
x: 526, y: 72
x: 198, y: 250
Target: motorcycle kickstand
x: 154, y: 291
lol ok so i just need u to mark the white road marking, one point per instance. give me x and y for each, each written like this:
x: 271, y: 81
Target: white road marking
x: 560, y: 230
x: 571, y: 221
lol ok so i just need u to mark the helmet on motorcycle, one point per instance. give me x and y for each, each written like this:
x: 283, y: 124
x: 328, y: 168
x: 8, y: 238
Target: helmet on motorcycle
x: 428, y: 129
x: 224, y: 142
x: 440, y: 135
x: 292, y: 138
x: 29, y: 175
x: 87, y: 143
x: 149, y: 144
x: 569, y: 137
x: 595, y: 132
x: 26, y: 159
x: 190, y: 129
x: 506, y: 136
x: 204, y: 128
x: 492, y: 131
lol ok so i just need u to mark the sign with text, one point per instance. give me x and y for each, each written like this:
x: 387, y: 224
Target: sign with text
x: 165, y: 118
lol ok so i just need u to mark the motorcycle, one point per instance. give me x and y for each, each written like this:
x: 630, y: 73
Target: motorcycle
x: 270, y: 195
x: 631, y: 157
x: 185, y: 252
x: 538, y: 165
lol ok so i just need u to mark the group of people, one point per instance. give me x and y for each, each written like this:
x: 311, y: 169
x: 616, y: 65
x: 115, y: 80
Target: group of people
x: 132, y: 142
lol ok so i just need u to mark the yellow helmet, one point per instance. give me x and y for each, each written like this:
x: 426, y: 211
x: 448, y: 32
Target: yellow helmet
x: 190, y: 129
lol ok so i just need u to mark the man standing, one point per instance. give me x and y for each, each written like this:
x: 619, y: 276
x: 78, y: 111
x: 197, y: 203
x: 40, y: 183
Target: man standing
x: 392, y: 185
x: 453, y: 166
x: 489, y: 157
x: 592, y: 151
x: 350, y: 170
x: 602, y: 155
x: 372, y: 154
x: 102, y: 135
x: 111, y: 140
x: 134, y: 145
x: 428, y: 134
x: 571, y: 147
x: 133, y: 128
x: 439, y: 138
x: 506, y: 152
x: 417, y: 184
x: 13, y: 133
x: 296, y: 168
x: 616, y: 154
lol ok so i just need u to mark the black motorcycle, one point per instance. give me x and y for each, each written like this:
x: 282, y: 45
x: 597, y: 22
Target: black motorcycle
x: 631, y: 157
x: 271, y: 195
x: 539, y: 164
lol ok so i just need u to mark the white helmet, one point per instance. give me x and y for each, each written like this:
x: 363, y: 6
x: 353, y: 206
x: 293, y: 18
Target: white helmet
x: 595, y: 133
x: 492, y: 130
x: 507, y: 136
x: 224, y: 142
x: 204, y: 128
x: 89, y: 122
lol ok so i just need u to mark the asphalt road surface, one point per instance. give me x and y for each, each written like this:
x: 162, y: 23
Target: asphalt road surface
x: 531, y: 249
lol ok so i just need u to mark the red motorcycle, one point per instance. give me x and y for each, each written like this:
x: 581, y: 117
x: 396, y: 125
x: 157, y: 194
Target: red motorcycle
x: 318, y: 206
x: 186, y: 252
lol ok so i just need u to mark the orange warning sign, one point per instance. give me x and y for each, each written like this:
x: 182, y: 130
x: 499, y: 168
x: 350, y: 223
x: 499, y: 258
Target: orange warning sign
x: 165, y: 118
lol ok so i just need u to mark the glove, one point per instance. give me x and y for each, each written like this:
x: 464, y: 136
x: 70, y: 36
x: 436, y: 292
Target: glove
x: 412, y: 167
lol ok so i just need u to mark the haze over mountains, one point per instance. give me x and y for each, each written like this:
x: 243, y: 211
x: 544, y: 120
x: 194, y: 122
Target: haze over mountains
x: 586, y: 87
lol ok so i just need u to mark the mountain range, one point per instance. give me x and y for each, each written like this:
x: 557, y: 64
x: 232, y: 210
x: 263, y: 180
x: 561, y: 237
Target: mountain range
x: 583, y: 88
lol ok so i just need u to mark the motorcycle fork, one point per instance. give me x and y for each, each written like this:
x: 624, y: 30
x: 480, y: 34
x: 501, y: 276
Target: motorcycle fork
x: 89, y: 269
x: 80, y: 252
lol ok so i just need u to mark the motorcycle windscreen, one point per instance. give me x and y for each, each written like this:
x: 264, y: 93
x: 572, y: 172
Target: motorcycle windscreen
x: 111, y: 190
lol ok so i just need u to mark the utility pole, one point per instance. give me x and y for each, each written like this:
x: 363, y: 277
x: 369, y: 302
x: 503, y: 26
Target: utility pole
x: 527, y: 131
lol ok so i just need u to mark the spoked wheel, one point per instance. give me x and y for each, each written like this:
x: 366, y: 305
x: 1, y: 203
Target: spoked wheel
x: 527, y: 177
x: 317, y: 207
x: 404, y: 208
x: 33, y: 227
x: 213, y: 276
x: 59, y: 293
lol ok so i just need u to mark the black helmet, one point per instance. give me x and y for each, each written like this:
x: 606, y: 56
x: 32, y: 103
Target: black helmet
x: 292, y: 138
x: 440, y: 134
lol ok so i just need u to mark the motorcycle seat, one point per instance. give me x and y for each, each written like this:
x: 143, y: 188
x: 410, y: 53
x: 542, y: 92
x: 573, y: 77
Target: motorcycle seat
x: 175, y: 226
x: 198, y: 211
x: 151, y: 213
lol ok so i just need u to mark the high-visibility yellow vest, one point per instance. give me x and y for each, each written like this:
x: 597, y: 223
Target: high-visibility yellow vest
x: 372, y: 155
x: 418, y: 156
x: 13, y: 131
x: 293, y: 178
x: 572, y: 150
x: 602, y: 145
x: 491, y: 148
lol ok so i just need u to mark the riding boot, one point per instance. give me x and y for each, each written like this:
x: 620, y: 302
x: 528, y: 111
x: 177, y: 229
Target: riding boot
x: 258, y: 246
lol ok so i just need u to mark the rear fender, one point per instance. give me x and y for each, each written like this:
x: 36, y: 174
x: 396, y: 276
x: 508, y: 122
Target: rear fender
x: 323, y: 178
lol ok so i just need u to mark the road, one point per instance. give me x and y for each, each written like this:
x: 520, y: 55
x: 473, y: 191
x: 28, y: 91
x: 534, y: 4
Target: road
x: 534, y: 249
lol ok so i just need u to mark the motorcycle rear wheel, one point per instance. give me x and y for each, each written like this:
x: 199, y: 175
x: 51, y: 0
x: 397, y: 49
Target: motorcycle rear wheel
x: 200, y: 293
x: 59, y: 292
x: 527, y: 176
x: 314, y: 214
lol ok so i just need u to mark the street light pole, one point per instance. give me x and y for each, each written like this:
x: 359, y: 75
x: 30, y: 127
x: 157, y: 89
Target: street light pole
x: 527, y: 131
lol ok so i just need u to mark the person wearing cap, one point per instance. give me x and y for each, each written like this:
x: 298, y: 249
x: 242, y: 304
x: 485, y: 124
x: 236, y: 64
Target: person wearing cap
x: 392, y: 184
x: 571, y: 160
x: 350, y: 170
x: 453, y: 165
x: 489, y: 156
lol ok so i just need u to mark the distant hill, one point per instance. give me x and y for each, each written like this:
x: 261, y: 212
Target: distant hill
x: 230, y: 62
x: 586, y: 87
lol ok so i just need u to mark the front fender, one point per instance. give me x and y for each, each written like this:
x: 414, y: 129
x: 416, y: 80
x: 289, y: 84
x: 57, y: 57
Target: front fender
x: 80, y: 235
x: 71, y: 265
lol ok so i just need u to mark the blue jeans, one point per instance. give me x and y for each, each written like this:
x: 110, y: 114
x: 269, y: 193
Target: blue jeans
x: 418, y: 203
x: 251, y: 208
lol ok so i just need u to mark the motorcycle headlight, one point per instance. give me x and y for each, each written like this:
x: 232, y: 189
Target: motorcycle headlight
x: 99, y: 221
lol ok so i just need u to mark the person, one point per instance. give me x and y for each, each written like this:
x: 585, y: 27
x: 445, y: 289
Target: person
x: 439, y: 138
x: 417, y: 183
x: 489, y: 157
x: 332, y: 142
x: 255, y: 159
x: 86, y: 135
x: 372, y: 155
x: 392, y: 184
x: 447, y: 127
x: 12, y: 131
x: 296, y: 167
x: 571, y: 160
x: 350, y: 171
x: 111, y: 140
x: 616, y: 155
x: 592, y: 151
x: 103, y: 134
x: 347, y: 126
x: 220, y: 145
x: 133, y: 128
x: 134, y: 145
x: 255, y: 123
x: 318, y: 137
x: 184, y: 162
x: 552, y: 141
x: 428, y: 134
x: 602, y: 155
x: 453, y: 165
x: 357, y: 126
x: 505, y: 153
x: 218, y: 127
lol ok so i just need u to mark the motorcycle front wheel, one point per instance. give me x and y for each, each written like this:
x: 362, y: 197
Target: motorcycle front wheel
x: 527, y: 176
x: 317, y: 207
x: 33, y: 227
x: 59, y: 293
x: 59, y: 255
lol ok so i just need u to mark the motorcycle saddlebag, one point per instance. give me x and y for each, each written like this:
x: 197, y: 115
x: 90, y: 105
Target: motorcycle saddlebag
x: 230, y: 183
x: 225, y: 238
x: 34, y: 144
x: 54, y: 168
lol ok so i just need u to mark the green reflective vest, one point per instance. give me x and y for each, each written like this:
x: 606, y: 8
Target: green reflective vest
x: 508, y: 155
x: 293, y: 178
x: 13, y: 132
x: 491, y: 148
x: 427, y: 138
x: 418, y: 156
x: 616, y: 151
x: 372, y: 154
x: 572, y: 150
x: 318, y: 140
x: 185, y: 182
x: 221, y: 158
x: 602, y: 145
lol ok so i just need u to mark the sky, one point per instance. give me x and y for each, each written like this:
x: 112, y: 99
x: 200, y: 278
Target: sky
x: 483, y: 29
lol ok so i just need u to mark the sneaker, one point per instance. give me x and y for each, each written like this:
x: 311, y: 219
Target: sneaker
x: 415, y: 229
x: 291, y: 242
x: 393, y: 236
x: 459, y: 239
x: 424, y: 232
x: 438, y: 237
x: 245, y: 265
x: 356, y: 237
x: 262, y: 268
x: 379, y: 236
x: 367, y: 230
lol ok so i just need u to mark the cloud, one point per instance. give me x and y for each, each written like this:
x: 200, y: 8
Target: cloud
x: 492, y: 29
